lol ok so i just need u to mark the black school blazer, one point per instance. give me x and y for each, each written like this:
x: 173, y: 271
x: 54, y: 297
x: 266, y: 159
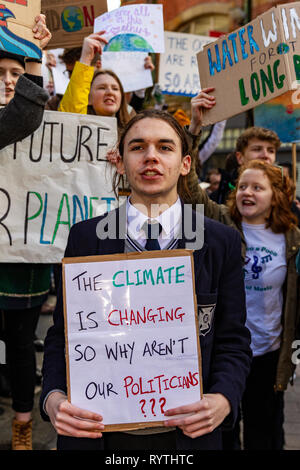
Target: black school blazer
x: 224, y: 339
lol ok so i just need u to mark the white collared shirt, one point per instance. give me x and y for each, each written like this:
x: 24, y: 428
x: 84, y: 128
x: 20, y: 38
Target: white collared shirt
x: 170, y: 221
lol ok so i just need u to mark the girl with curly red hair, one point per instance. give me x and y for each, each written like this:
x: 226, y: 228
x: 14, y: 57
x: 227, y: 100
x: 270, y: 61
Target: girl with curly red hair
x: 278, y: 213
x: 260, y: 206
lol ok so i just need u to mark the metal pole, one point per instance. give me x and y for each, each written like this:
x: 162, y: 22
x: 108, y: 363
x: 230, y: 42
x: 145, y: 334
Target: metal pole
x: 294, y: 165
x: 250, y: 113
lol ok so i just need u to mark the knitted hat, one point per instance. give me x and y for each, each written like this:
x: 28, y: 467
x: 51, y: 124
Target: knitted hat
x: 9, y: 55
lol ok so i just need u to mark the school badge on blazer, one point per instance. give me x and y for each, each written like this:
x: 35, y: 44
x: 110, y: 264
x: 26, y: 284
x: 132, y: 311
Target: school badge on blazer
x: 205, y: 318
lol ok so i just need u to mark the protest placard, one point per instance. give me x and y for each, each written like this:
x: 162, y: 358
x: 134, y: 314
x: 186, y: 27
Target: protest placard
x: 16, y: 23
x: 55, y: 74
x: 178, y: 68
x: 60, y: 79
x: 57, y: 176
x: 69, y: 22
x: 132, y: 340
x: 282, y: 115
x: 138, y: 27
x: 129, y: 66
x: 253, y: 64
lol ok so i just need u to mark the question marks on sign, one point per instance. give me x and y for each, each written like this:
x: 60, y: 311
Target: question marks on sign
x: 142, y: 408
x: 152, y: 407
x: 162, y: 402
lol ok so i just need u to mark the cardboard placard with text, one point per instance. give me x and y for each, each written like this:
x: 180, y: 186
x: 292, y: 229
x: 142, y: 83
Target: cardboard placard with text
x: 52, y: 179
x: 132, y: 336
x: 253, y: 64
x: 16, y: 23
x: 69, y: 22
x: 138, y: 28
x: 178, y: 68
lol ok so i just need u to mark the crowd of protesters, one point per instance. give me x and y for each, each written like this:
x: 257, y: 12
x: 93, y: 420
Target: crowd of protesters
x: 248, y: 205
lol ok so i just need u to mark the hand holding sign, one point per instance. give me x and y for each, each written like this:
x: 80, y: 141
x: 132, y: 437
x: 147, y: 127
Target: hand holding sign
x: 92, y: 45
x: 148, y: 64
x: 207, y: 414
x: 132, y: 337
x: 203, y: 100
x: 69, y: 420
x: 41, y: 32
x: 113, y: 156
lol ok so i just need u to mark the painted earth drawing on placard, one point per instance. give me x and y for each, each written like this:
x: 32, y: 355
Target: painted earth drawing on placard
x: 281, y: 115
x: 72, y: 19
x: 128, y: 42
x: 10, y: 42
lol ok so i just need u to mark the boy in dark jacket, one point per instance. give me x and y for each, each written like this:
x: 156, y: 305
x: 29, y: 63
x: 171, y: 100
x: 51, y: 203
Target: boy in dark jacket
x: 155, y: 155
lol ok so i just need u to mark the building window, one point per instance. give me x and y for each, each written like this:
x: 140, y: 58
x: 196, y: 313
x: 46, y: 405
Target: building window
x: 205, y: 23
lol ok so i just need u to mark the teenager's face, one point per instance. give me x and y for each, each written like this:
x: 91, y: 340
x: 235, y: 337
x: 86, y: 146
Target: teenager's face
x: 257, y: 150
x: 105, y: 95
x: 254, y: 196
x: 10, y: 71
x: 153, y: 162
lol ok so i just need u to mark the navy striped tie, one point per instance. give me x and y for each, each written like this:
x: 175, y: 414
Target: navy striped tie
x: 153, y: 231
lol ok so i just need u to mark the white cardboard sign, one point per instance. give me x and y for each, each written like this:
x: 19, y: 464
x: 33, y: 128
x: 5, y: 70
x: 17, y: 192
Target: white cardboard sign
x: 137, y: 27
x: 16, y: 22
x: 253, y: 64
x: 178, y: 67
x: 129, y: 66
x: 57, y: 176
x: 132, y: 341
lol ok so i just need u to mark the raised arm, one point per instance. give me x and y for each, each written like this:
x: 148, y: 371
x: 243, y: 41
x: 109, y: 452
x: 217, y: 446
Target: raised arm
x: 196, y: 195
x: 24, y: 113
x: 212, y: 141
x: 76, y: 97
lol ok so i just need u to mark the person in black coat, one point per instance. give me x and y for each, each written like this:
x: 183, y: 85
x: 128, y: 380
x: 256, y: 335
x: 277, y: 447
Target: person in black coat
x: 155, y: 156
x: 24, y: 113
x: 24, y: 99
x: 21, y: 91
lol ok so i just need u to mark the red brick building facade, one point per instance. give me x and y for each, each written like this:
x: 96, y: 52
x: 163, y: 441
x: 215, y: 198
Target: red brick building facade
x: 194, y: 16
x: 201, y: 16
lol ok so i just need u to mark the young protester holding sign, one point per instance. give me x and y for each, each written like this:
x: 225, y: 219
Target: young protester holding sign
x: 96, y: 92
x: 155, y: 157
x: 23, y: 287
